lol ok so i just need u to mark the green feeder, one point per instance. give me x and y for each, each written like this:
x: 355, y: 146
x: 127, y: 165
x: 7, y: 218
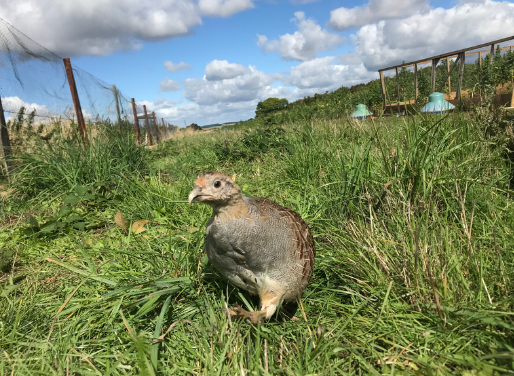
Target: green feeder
x: 437, y: 104
x: 361, y: 112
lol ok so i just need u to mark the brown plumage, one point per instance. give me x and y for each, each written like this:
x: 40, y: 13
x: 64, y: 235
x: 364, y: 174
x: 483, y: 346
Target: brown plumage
x: 257, y: 244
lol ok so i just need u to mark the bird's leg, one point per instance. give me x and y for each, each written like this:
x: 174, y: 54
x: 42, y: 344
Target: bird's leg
x: 269, y: 302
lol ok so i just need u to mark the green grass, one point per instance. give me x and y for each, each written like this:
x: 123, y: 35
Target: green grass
x: 413, y: 221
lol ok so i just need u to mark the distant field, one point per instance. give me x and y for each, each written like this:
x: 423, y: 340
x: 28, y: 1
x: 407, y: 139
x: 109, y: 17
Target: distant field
x: 103, y: 269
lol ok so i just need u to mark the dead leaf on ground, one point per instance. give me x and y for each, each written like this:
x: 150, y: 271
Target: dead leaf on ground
x: 139, y: 226
x: 121, y: 221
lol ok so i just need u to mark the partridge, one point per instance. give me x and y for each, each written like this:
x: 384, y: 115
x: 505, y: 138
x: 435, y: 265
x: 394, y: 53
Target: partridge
x: 257, y: 244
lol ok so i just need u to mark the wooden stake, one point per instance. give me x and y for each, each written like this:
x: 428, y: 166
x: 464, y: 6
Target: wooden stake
x: 416, y: 90
x: 157, y: 135
x: 6, y: 142
x: 115, y: 92
x: 163, y: 131
x: 398, y: 89
x: 449, y: 78
x: 434, y: 72
x: 480, y: 59
x: 382, y: 83
x: 462, y: 56
x: 136, y: 122
x: 147, y: 125
x: 75, y: 98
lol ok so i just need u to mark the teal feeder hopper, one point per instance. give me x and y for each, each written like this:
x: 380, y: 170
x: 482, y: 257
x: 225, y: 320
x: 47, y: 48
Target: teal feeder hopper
x: 361, y: 112
x: 437, y: 104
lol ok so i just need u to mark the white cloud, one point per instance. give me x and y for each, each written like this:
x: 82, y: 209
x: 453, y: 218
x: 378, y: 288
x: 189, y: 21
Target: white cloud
x: 168, y: 85
x: 345, y: 18
x: 434, y: 32
x: 101, y: 27
x: 221, y: 70
x: 304, y: 43
x: 172, y: 67
x: 12, y: 105
x: 223, y: 8
x: 253, y: 84
x: 322, y: 75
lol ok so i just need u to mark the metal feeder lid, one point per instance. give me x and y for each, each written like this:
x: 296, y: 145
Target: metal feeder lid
x: 437, y: 104
x: 361, y: 112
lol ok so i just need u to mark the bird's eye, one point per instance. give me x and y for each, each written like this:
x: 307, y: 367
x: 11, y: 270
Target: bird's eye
x: 217, y: 184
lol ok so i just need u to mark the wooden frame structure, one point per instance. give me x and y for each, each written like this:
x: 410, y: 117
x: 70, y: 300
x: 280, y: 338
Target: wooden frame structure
x: 460, y: 56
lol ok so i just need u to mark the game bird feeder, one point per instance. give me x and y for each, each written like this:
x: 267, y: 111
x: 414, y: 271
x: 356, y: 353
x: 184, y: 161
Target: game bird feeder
x: 361, y: 112
x: 437, y: 104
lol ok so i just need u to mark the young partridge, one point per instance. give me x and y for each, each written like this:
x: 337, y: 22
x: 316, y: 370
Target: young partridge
x: 255, y: 243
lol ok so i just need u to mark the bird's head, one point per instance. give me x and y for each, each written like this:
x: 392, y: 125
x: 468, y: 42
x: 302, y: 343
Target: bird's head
x: 215, y: 189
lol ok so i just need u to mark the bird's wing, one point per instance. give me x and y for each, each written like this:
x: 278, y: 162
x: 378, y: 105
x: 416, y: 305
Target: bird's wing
x: 305, y: 243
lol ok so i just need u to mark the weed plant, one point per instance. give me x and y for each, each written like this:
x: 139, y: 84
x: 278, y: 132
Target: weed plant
x: 413, y: 224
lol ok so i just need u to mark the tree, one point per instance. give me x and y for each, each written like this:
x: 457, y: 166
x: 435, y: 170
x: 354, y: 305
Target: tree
x: 270, y: 105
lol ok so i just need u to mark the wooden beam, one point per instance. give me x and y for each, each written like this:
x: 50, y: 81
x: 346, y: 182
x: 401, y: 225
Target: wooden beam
x: 450, y: 53
x: 434, y: 72
x: 115, y: 91
x: 397, y: 89
x: 461, y: 75
x: 480, y: 59
x: 136, y: 121
x: 157, y: 133
x: 492, y: 51
x: 416, y: 90
x: 448, y: 77
x: 382, y: 83
x: 147, y: 125
x: 75, y: 98
x: 6, y: 142
x: 450, y: 71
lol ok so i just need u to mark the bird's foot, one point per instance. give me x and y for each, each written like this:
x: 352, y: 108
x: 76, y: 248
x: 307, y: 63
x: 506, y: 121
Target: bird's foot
x: 240, y: 313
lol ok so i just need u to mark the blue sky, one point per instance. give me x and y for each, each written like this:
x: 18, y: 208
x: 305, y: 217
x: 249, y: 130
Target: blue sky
x: 235, y: 53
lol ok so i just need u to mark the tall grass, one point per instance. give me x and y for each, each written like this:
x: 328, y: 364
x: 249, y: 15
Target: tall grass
x: 413, y: 223
x: 63, y: 163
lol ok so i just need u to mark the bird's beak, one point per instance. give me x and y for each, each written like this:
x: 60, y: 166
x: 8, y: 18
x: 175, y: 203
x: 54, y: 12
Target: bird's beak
x: 196, y: 195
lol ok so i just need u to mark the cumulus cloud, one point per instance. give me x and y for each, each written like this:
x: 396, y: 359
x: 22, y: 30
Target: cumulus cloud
x: 304, y: 43
x: 468, y: 23
x: 221, y: 70
x: 253, y: 84
x: 345, y: 18
x: 223, y: 8
x: 100, y: 27
x: 13, y: 104
x: 168, y: 85
x: 321, y: 74
x: 172, y: 67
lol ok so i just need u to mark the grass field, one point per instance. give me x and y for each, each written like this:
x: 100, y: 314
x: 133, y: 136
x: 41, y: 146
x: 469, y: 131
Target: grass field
x: 104, y: 271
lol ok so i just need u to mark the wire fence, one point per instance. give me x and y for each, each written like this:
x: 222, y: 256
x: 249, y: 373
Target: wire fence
x: 34, y: 83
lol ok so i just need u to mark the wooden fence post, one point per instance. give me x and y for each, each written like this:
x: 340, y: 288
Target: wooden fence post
x: 147, y: 124
x: 75, y: 98
x: 416, y: 90
x: 449, y: 77
x: 461, y: 75
x: 398, y: 89
x: 157, y: 135
x: 136, y: 121
x: 382, y: 83
x: 163, y: 131
x: 115, y: 91
x: 6, y: 142
x: 434, y: 72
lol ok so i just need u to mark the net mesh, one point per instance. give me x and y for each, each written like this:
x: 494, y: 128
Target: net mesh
x: 35, y: 78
